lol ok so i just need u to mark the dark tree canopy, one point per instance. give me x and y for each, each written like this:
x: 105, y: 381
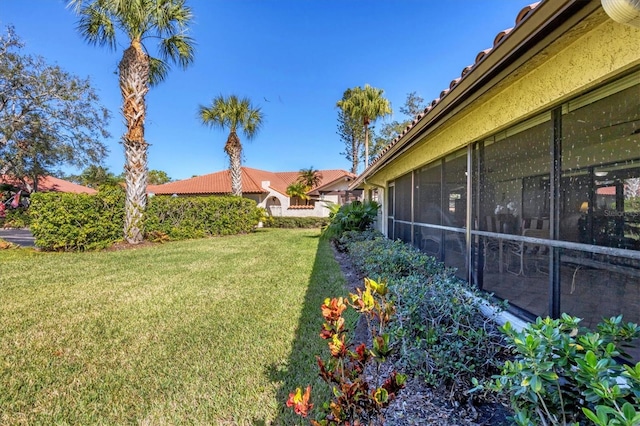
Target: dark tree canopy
x: 48, y: 117
x: 351, y: 133
x: 94, y: 176
x: 158, y: 177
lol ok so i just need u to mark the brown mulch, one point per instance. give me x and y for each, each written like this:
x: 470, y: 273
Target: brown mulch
x: 417, y: 403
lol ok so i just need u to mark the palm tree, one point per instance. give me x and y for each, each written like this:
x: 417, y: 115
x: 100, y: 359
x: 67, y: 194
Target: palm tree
x: 164, y: 21
x: 233, y: 113
x: 366, y: 105
x: 298, y: 190
x: 310, y: 177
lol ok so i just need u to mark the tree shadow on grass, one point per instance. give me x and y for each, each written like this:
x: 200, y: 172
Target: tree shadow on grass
x: 300, y: 369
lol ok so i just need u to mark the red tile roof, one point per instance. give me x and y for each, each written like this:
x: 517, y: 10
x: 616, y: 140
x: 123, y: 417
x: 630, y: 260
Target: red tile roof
x: 220, y: 182
x: 52, y: 184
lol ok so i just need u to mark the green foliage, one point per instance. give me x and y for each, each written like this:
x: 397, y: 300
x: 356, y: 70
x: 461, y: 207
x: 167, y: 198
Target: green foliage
x: 16, y: 218
x: 48, y: 117
x: 310, y: 177
x: 298, y: 190
x: 63, y: 221
x: 413, y: 105
x: 356, y: 399
x: 89, y: 222
x: 444, y: 337
x: 365, y: 105
x: 564, y: 375
x: 355, y: 216
x: 157, y: 177
x: 295, y: 222
x: 197, y: 217
x: 95, y: 176
x: 351, y: 133
x: 380, y: 257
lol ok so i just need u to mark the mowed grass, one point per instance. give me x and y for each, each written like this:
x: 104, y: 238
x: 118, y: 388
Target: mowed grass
x: 212, y: 331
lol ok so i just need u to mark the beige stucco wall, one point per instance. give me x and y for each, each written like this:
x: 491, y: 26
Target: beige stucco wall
x: 599, y: 49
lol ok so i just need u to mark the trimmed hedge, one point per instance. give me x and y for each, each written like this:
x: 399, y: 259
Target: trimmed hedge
x: 295, y: 222
x: 61, y: 221
x: 68, y: 222
x: 197, y: 217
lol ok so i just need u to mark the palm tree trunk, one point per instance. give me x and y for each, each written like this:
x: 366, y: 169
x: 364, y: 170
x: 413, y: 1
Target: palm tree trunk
x: 366, y: 122
x: 233, y: 148
x: 354, y: 154
x: 366, y: 146
x: 134, y: 85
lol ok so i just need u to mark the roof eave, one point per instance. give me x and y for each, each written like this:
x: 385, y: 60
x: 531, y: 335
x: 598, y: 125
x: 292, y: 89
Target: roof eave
x: 511, y: 50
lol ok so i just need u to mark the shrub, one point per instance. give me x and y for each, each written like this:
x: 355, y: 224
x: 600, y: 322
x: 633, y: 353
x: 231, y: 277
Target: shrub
x: 16, y: 218
x: 563, y: 374
x: 350, y: 237
x: 355, y: 216
x: 196, y: 217
x: 381, y: 257
x: 62, y: 221
x: 356, y: 398
x: 443, y: 335
x: 295, y: 222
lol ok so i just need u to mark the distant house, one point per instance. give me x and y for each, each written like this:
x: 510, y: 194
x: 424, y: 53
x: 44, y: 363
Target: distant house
x: 269, y: 190
x: 47, y: 184
x: 524, y: 173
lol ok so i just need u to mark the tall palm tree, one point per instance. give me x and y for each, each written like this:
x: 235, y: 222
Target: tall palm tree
x: 366, y: 105
x: 310, y: 177
x: 164, y: 21
x: 233, y: 113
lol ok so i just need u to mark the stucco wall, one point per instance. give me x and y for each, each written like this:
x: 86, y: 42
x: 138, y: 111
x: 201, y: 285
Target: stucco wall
x: 601, y: 50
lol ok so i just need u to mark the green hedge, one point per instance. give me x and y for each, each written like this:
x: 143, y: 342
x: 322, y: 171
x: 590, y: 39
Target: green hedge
x: 16, y: 218
x: 68, y: 222
x: 61, y: 221
x: 295, y: 222
x: 196, y: 217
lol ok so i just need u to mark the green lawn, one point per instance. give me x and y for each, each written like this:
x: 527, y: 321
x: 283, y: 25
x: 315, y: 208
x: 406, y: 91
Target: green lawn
x: 213, y: 331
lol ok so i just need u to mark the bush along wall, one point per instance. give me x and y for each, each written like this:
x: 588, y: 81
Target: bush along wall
x: 68, y: 222
x: 196, y: 217
x: 295, y: 222
x: 61, y: 221
x: 440, y: 331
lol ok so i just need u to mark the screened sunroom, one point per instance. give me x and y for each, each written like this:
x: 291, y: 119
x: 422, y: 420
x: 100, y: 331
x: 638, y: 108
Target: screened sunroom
x: 525, y: 174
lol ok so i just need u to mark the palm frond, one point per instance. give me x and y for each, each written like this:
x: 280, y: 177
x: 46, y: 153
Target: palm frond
x: 178, y: 48
x: 158, y: 71
x: 232, y: 113
x: 143, y: 20
x: 96, y: 24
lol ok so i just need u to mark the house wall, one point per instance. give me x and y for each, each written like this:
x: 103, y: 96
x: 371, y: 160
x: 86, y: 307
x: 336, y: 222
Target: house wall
x: 512, y: 123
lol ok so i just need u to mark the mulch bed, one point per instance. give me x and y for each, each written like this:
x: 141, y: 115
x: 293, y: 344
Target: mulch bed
x: 417, y: 403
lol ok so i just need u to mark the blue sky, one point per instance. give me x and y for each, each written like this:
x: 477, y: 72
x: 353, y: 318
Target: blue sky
x: 294, y: 58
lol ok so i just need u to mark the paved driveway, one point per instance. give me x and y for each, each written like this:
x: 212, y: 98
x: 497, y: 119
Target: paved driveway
x: 23, y: 237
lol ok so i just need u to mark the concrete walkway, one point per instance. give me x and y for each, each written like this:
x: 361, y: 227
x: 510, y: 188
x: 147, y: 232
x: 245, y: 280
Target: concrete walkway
x: 22, y: 237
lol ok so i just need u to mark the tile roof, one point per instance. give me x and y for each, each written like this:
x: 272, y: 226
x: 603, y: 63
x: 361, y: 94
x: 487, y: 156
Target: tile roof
x: 52, y: 184
x: 220, y: 182
x: 499, y: 38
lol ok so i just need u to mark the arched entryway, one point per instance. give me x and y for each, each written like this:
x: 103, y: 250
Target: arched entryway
x: 274, y: 208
